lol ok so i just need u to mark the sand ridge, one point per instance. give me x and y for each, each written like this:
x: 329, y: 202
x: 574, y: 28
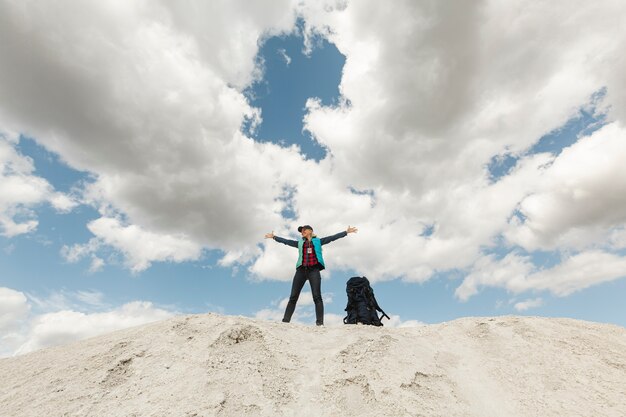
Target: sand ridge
x: 214, y: 365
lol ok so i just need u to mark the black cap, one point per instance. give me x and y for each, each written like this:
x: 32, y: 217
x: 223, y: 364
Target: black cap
x: 306, y: 226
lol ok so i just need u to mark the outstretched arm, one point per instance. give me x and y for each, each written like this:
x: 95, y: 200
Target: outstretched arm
x: 339, y: 235
x: 287, y: 242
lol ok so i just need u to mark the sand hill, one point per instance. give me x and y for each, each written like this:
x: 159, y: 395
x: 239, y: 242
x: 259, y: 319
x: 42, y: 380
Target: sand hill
x: 212, y: 365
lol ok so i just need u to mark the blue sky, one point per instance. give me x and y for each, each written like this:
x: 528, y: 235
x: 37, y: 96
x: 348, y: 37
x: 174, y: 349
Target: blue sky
x: 493, y: 209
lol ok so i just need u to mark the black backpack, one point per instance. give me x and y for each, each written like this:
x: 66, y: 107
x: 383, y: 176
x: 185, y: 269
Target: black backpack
x: 362, y: 305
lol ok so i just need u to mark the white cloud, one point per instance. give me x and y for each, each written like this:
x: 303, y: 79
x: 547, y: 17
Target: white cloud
x: 139, y: 247
x: 94, y: 298
x: 21, y: 191
x: 284, y: 55
x: 271, y: 314
x: 76, y: 252
x: 396, y: 321
x: 581, y: 197
x: 431, y: 93
x: 518, y: 274
x: 618, y: 238
x: 578, y: 272
x: 62, y: 203
x: 97, y: 264
x: 66, y: 300
x: 488, y: 271
x: 14, y: 308
x: 29, y: 323
x: 333, y: 320
x: 9, y: 249
x: 67, y: 326
x: 171, y: 158
x: 528, y: 304
x: 433, y: 97
x: 277, y: 262
x: 142, y: 247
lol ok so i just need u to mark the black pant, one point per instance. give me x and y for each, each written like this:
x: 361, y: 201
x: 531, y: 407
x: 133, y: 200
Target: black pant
x: 302, y: 275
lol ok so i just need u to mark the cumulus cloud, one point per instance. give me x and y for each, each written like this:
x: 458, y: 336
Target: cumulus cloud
x: 28, y: 323
x: 489, y: 271
x: 152, y: 106
x: 13, y: 308
x: 14, y: 312
x: 139, y: 247
x: 271, y: 265
x: 97, y: 264
x: 396, y: 321
x: 518, y: 274
x: 581, y: 197
x: 431, y: 94
x: 434, y: 99
x: 66, y: 326
x: 21, y: 191
x: 577, y: 272
x: 617, y: 238
x: 528, y: 304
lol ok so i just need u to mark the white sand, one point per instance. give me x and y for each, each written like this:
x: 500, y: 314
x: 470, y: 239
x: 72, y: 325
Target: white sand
x: 213, y: 365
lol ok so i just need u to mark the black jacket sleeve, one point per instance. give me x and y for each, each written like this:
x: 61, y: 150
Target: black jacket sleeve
x: 287, y: 242
x: 329, y: 239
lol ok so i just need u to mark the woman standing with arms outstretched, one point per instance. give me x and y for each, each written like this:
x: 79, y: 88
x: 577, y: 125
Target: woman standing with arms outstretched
x: 310, y: 263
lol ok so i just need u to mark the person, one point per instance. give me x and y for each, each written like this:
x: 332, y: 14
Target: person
x: 310, y: 263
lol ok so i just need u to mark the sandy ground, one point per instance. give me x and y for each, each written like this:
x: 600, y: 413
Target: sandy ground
x: 212, y: 365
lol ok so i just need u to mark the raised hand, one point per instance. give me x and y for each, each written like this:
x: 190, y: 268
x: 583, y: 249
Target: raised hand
x: 352, y: 229
x: 269, y: 235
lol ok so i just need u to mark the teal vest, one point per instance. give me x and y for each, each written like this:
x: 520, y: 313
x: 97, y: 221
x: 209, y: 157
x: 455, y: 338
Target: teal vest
x: 317, y: 246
